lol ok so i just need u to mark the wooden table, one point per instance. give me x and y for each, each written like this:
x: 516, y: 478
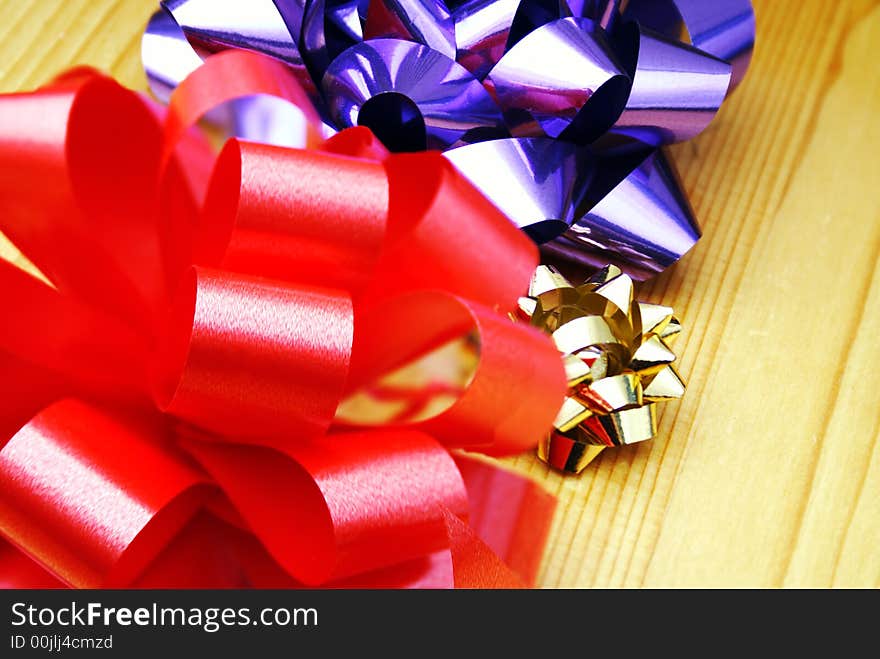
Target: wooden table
x: 768, y: 472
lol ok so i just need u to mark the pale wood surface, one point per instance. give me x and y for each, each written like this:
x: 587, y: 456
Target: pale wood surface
x: 768, y: 472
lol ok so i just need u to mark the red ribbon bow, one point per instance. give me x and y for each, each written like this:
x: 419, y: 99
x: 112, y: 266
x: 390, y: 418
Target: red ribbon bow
x: 245, y: 296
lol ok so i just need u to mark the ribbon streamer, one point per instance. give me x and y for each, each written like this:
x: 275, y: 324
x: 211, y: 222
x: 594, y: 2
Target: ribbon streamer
x: 556, y: 110
x: 201, y: 318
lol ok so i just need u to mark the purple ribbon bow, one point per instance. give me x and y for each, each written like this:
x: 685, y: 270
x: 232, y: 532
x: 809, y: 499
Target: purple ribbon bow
x: 556, y: 109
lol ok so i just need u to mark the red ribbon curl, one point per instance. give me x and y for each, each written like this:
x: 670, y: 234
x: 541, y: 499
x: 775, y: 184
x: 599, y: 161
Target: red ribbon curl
x: 245, y: 295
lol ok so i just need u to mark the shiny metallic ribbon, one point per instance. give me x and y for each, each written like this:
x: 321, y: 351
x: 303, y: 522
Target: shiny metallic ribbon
x: 556, y: 109
x: 617, y: 360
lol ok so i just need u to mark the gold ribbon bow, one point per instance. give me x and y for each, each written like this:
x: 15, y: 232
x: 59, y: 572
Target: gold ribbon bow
x: 617, y: 359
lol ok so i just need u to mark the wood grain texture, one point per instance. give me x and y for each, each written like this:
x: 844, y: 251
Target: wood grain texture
x: 767, y: 474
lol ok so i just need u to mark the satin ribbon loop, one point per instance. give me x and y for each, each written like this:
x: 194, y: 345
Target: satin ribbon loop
x: 360, y: 498
x: 92, y: 496
x: 253, y: 358
x: 256, y: 190
x: 488, y: 416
